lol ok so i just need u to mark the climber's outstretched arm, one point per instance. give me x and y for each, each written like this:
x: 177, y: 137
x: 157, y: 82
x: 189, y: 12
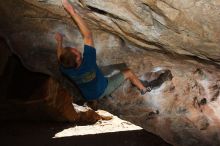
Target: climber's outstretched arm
x: 59, y: 39
x: 87, y: 35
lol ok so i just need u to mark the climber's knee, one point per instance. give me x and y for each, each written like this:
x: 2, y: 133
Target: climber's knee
x: 127, y: 73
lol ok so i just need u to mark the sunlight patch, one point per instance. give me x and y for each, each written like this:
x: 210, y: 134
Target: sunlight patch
x: 114, y: 125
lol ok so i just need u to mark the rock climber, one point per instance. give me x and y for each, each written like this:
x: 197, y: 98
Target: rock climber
x: 83, y: 71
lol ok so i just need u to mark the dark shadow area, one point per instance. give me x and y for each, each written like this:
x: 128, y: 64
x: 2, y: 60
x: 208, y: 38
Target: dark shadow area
x: 41, y: 134
x: 17, y: 86
x: 17, y: 82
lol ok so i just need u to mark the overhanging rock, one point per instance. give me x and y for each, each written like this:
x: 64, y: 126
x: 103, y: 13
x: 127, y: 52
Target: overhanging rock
x: 183, y: 111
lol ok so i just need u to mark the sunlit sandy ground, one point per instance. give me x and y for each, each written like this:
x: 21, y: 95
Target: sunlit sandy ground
x: 113, y: 125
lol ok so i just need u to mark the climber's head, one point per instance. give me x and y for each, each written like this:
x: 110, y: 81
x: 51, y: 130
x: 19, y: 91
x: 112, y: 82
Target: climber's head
x: 71, y: 57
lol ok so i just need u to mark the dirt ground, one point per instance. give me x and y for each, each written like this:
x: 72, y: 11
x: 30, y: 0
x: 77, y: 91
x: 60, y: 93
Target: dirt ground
x: 29, y: 133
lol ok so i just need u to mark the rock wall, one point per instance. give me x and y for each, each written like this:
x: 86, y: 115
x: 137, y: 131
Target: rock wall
x: 183, y: 111
x: 149, y: 35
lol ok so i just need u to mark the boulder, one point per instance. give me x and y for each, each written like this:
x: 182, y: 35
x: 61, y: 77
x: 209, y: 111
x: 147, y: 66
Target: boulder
x: 150, y: 36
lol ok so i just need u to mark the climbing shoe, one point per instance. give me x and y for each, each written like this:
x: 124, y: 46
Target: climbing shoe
x: 147, y: 89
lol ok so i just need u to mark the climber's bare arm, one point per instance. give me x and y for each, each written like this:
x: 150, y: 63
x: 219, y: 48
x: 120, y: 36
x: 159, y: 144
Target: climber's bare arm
x: 59, y: 39
x: 87, y: 34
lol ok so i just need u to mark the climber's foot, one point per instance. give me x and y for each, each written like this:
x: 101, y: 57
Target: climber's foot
x: 145, y: 90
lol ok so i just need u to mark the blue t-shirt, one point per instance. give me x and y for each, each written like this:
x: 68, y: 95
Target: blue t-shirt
x: 88, y: 77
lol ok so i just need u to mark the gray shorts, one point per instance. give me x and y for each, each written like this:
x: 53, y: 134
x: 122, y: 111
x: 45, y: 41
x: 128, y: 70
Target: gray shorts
x: 113, y: 83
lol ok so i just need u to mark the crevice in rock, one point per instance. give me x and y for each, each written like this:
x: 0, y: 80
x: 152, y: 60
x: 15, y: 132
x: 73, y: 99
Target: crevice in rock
x: 157, y: 45
x: 165, y: 75
x: 164, y: 1
x: 170, y: 26
x: 204, y: 61
x: 45, y: 18
x: 102, y: 12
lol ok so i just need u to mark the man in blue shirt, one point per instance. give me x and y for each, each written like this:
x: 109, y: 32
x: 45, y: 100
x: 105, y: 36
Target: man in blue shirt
x: 83, y: 71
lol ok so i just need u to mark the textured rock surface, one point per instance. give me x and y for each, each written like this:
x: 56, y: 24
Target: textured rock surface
x: 183, y: 111
x: 189, y: 28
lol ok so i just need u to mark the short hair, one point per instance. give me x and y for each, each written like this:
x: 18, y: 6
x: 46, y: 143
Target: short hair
x: 68, y: 58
